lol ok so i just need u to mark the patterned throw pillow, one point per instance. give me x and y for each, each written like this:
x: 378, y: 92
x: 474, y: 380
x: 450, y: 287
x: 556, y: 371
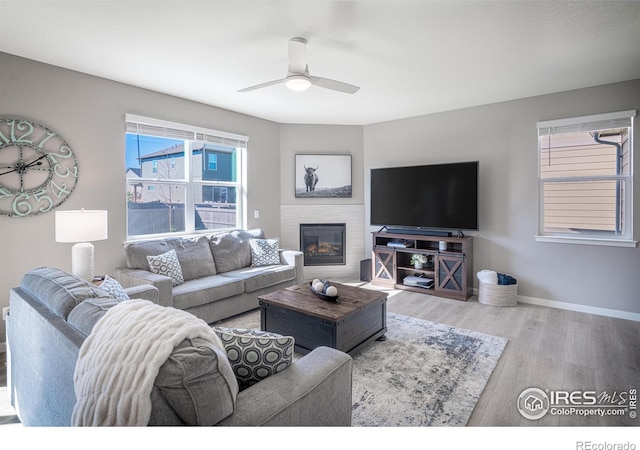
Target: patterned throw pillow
x: 254, y: 354
x: 114, y: 288
x: 168, y: 265
x: 264, y: 252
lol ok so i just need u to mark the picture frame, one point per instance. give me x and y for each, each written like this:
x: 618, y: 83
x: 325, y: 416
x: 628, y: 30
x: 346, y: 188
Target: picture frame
x: 322, y: 176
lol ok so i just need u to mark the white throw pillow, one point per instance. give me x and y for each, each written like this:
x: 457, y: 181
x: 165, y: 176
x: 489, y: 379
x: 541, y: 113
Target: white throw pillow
x: 168, y: 265
x: 264, y: 252
x: 114, y: 288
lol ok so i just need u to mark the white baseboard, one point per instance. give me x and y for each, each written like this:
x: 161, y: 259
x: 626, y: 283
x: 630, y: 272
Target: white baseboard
x: 578, y: 308
x: 627, y: 315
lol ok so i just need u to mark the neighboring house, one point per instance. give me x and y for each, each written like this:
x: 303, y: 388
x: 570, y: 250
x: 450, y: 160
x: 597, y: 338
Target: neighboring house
x: 209, y: 164
x: 585, y: 204
x: 163, y: 165
x: 134, y: 190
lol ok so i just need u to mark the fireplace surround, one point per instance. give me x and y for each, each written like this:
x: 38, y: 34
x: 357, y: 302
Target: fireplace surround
x: 323, y: 243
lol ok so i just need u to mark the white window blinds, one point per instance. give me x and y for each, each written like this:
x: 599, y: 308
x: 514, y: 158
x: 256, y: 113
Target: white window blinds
x: 161, y: 128
x: 622, y: 119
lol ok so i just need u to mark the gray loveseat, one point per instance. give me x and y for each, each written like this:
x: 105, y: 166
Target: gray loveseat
x: 53, y: 312
x: 219, y: 278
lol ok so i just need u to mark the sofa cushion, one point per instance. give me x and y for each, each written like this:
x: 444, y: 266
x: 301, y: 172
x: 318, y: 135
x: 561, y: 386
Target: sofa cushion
x: 256, y: 278
x: 168, y: 265
x: 231, y: 249
x: 264, y: 252
x: 195, y: 386
x: 194, y: 255
x: 84, y: 316
x: 58, y: 290
x: 114, y: 288
x: 196, y: 258
x: 205, y: 290
x: 255, y: 355
x: 137, y: 252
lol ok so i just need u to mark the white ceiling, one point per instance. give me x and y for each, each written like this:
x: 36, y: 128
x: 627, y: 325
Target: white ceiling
x: 409, y: 57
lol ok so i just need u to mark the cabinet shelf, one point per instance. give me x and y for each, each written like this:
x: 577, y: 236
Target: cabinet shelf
x: 450, y: 269
x: 424, y: 270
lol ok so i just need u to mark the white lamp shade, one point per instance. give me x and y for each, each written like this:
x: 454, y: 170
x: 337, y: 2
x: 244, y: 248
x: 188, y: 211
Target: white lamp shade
x: 81, y: 226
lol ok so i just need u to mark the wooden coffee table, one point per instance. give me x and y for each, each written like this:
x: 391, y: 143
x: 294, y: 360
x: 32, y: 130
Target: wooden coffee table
x: 356, y: 318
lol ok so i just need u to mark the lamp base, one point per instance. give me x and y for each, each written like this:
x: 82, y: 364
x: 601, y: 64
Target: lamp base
x: 82, y: 260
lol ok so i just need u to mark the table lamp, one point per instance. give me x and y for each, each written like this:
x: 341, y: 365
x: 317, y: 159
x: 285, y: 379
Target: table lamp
x: 81, y: 227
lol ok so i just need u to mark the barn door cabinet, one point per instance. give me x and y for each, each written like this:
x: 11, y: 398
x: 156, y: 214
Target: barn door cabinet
x: 450, y: 270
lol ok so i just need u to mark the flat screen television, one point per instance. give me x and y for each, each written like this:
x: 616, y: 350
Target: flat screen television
x: 426, y: 197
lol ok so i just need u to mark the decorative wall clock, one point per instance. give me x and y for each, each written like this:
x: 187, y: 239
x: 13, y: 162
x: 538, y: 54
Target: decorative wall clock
x: 38, y: 169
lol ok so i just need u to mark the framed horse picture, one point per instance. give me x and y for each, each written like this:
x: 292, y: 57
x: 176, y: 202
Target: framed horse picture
x: 322, y: 176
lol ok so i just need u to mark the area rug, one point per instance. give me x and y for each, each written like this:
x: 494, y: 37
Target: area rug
x: 424, y: 374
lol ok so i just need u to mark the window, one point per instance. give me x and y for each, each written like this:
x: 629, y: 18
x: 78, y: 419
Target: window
x: 585, y: 179
x: 213, y: 161
x: 171, y: 186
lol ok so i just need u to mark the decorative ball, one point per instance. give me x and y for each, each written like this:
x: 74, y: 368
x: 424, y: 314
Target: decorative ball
x: 315, y: 281
x: 331, y: 291
x: 319, y: 286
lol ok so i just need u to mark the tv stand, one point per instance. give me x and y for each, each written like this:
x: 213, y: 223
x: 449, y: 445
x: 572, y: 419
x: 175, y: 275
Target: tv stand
x: 450, y: 268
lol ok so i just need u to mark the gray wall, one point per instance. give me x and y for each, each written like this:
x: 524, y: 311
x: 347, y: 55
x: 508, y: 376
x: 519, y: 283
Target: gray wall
x: 503, y: 137
x: 89, y: 113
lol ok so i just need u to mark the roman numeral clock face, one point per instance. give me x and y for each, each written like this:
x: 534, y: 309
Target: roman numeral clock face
x: 38, y: 170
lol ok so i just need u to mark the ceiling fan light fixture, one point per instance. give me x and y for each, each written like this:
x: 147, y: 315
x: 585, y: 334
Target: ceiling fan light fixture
x: 298, y: 78
x: 297, y: 82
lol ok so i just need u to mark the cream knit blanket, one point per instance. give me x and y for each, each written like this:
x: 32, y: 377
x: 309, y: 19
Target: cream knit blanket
x: 119, y: 361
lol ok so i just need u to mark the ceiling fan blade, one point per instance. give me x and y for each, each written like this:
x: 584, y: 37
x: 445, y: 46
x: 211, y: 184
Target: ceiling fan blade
x: 261, y: 85
x: 334, y: 85
x: 298, y: 55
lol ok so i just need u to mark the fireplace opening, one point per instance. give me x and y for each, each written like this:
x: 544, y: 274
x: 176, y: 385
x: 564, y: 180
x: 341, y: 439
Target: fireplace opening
x: 322, y: 243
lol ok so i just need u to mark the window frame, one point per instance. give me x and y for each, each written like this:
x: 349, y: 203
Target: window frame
x: 192, y: 135
x: 597, y: 122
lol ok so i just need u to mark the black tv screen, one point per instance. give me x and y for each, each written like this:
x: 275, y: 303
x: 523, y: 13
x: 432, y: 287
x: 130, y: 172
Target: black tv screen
x: 435, y: 196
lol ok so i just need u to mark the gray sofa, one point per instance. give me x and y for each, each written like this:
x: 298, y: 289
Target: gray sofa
x: 52, y: 313
x: 219, y: 279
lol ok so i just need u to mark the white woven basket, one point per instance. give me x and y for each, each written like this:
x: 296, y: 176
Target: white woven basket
x: 498, y: 294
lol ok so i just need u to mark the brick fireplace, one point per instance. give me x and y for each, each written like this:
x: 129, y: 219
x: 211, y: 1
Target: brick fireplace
x: 323, y: 244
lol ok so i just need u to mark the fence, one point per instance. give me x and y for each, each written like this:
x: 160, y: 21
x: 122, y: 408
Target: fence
x: 156, y: 217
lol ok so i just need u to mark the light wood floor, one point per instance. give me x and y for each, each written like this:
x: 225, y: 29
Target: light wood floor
x: 548, y: 349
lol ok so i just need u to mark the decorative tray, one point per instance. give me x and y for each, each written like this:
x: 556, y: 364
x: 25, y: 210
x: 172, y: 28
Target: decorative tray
x: 322, y: 295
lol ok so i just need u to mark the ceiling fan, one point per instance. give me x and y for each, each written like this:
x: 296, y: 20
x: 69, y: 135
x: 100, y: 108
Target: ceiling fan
x: 298, y: 78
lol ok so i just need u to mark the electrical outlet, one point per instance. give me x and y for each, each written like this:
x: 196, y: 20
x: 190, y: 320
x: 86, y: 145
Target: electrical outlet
x: 5, y: 312
x: 256, y: 213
